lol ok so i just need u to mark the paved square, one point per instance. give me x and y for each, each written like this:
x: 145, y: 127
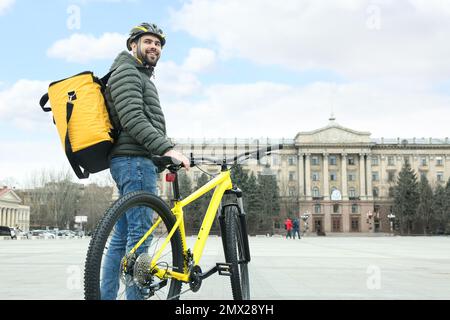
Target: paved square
x: 310, y: 268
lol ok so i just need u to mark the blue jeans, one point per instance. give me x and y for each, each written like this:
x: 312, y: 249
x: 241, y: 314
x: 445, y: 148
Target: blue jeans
x: 130, y: 174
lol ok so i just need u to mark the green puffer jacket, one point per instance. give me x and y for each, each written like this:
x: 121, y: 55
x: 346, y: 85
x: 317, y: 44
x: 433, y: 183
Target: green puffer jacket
x: 134, y: 108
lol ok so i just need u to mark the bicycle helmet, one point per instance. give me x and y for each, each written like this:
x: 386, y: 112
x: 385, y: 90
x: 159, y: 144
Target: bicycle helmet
x: 145, y: 28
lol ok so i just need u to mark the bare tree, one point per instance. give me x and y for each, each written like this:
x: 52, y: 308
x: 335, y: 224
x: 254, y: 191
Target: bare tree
x: 52, y: 196
x: 93, y: 203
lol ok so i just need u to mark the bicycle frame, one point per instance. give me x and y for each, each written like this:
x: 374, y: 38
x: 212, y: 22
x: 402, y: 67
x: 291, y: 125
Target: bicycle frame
x: 221, y: 183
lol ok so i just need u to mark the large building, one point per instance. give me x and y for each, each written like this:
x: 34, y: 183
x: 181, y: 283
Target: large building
x: 337, y: 177
x: 12, y: 212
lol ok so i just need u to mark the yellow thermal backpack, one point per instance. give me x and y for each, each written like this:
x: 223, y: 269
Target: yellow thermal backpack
x: 81, y: 116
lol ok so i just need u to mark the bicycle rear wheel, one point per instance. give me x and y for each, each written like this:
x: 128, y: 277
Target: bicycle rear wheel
x: 234, y: 254
x: 136, y: 271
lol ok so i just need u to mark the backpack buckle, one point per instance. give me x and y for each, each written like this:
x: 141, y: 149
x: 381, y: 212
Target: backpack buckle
x: 72, y: 95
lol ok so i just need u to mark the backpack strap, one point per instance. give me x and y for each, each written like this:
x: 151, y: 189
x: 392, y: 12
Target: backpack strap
x: 69, y: 152
x: 106, y: 77
x: 43, y: 102
x: 115, y: 132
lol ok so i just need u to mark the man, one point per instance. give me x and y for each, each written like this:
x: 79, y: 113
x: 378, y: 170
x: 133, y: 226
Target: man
x: 136, y: 113
x: 296, y: 228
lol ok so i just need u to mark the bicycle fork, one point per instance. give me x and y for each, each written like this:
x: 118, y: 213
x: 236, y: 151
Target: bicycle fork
x: 242, y: 222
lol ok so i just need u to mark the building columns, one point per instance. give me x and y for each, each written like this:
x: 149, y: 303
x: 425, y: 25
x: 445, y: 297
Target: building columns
x: 326, y: 185
x: 362, y: 180
x: 308, y: 176
x: 369, y: 177
x: 301, y: 176
x: 14, y: 218
x: 344, y: 176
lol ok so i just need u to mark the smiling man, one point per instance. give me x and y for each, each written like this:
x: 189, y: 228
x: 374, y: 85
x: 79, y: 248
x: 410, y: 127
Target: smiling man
x: 136, y: 112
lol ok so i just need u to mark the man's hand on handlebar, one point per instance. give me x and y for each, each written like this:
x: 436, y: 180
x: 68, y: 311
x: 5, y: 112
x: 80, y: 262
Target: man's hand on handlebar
x: 179, y: 156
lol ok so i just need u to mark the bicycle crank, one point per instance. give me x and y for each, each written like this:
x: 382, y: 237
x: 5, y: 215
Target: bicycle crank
x: 195, y: 278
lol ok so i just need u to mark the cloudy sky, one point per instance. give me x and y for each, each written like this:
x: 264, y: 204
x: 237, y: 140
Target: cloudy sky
x: 231, y: 68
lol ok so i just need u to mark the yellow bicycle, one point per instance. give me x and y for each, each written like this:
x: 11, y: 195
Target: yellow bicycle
x: 160, y: 271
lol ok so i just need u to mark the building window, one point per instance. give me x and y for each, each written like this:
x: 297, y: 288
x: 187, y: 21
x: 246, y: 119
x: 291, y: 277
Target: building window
x: 354, y: 208
x: 332, y: 160
x: 423, y: 161
x: 440, y: 176
x: 391, y: 176
x: 335, y: 208
x: 316, y: 176
x: 316, y: 192
x: 291, y: 191
x: 439, y: 161
x: 423, y: 174
x: 351, y: 160
x: 317, y: 208
x: 336, y: 224
x: 291, y: 176
x: 352, y: 193
x: 391, y: 161
x: 375, y: 192
x: 374, y: 161
x: 391, y: 192
x: 351, y: 176
x: 375, y: 176
x: 318, y: 225
x: 315, y: 161
x: 406, y: 160
x: 333, y: 176
x: 291, y: 161
x: 275, y: 159
x: 355, y: 224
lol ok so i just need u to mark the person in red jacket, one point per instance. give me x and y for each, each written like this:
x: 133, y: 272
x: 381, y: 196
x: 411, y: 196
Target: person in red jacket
x: 288, y: 227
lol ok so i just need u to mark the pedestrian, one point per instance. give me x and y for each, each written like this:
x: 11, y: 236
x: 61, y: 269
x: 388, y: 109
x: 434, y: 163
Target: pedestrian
x: 136, y: 112
x: 288, y: 227
x: 296, y: 228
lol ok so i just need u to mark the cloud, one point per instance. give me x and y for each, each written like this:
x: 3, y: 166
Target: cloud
x: 181, y: 80
x: 83, y: 48
x: 5, y: 5
x: 277, y: 110
x: 199, y: 60
x: 357, y: 39
x: 19, y: 159
x: 19, y: 105
x: 173, y: 81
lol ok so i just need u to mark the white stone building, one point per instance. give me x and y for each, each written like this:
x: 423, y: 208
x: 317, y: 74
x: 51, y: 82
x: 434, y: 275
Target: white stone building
x: 12, y: 212
x: 339, y: 177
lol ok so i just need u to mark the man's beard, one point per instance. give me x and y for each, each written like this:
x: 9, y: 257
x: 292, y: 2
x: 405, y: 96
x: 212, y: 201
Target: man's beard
x: 151, y: 62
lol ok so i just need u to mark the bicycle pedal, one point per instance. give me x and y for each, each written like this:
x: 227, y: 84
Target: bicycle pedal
x: 224, y: 268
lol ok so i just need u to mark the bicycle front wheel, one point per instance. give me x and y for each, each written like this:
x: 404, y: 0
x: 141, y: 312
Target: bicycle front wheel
x: 133, y: 277
x: 234, y: 254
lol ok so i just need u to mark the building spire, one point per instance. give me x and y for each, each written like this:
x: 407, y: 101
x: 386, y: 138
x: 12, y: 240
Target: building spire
x: 332, y: 117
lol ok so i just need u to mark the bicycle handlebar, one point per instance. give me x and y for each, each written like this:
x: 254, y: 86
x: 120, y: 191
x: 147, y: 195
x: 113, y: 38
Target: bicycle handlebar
x: 174, y: 164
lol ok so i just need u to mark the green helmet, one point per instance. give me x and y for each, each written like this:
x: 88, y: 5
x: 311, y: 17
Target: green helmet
x: 146, y: 28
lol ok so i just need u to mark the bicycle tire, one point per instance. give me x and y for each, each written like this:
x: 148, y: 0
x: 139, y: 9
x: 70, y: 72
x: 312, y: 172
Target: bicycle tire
x: 234, y: 254
x: 98, y: 243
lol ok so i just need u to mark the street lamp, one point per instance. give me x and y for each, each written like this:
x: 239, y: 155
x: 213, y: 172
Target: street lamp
x: 305, y: 218
x: 391, y: 218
